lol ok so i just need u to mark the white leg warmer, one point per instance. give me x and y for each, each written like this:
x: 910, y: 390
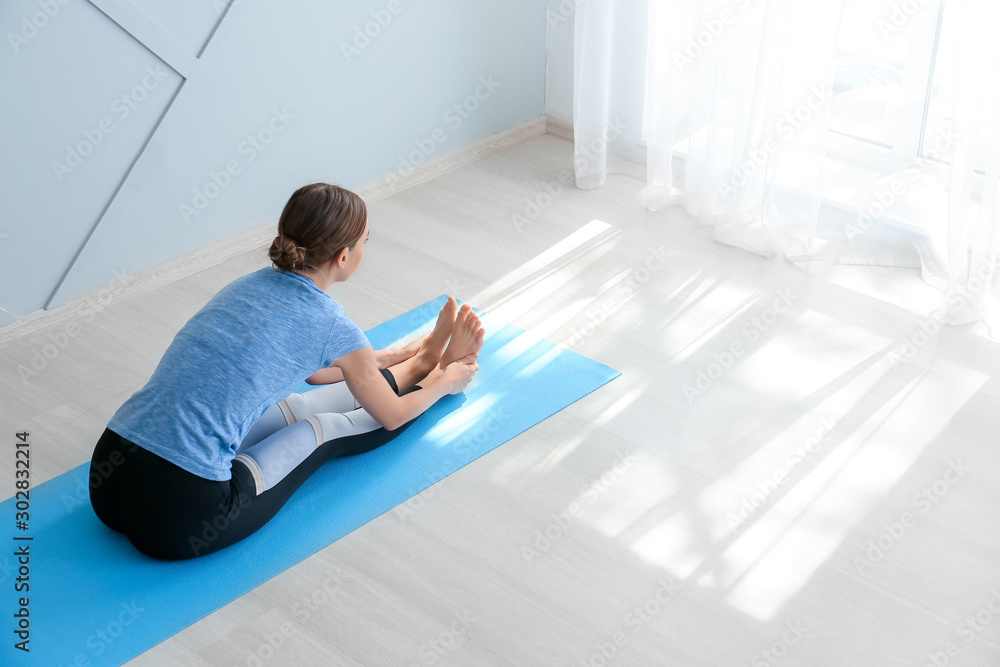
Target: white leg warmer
x: 273, y: 457
x: 270, y: 422
x: 328, y: 398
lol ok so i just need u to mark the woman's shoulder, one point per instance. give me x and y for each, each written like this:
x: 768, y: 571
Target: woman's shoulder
x: 270, y: 294
x: 258, y: 277
x: 270, y: 279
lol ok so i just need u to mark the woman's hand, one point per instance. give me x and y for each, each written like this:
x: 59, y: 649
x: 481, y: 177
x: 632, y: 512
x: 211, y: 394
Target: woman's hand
x: 391, y: 411
x: 459, y: 374
x: 383, y: 359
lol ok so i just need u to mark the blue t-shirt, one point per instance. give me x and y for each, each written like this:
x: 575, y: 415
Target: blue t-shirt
x: 249, y: 347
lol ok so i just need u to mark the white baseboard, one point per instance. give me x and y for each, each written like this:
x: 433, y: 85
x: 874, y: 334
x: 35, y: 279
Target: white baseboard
x: 443, y: 164
x: 259, y: 236
x: 559, y: 128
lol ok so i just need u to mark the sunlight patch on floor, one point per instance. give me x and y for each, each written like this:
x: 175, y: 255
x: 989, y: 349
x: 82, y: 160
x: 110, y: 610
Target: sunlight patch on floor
x: 561, y: 317
x: 525, y: 469
x: 735, y: 500
x: 893, y: 286
x: 755, y: 475
x: 626, y: 491
x: 703, y: 313
x: 698, y: 334
x: 860, y: 342
x: 775, y: 572
x: 766, y: 558
x: 556, y: 455
x: 770, y: 563
x: 795, y: 524
x: 909, y: 429
x: 788, y: 369
x: 619, y: 406
x: 607, y: 313
x: 499, y: 289
x: 539, y: 295
x: 672, y: 544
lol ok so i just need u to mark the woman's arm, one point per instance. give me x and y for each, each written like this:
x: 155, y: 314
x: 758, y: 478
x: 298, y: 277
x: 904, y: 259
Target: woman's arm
x: 383, y: 358
x: 366, y: 383
x: 327, y: 375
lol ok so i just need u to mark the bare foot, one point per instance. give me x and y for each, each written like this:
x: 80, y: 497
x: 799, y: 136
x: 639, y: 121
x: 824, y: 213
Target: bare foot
x: 411, y: 348
x: 466, y: 338
x: 433, y: 345
x: 397, y: 355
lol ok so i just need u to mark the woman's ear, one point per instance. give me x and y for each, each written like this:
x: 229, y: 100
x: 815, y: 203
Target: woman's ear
x: 341, y: 259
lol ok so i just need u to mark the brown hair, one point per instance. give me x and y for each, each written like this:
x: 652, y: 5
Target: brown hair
x: 317, y: 223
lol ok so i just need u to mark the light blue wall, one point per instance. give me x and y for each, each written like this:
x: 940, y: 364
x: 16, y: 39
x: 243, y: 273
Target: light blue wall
x: 263, y: 89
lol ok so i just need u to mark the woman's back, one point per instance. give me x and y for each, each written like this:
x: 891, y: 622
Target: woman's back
x: 250, y: 346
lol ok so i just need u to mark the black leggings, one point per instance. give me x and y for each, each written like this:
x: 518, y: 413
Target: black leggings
x: 172, y: 514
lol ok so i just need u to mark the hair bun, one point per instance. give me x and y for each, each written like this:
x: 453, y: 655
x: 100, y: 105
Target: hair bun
x: 286, y: 255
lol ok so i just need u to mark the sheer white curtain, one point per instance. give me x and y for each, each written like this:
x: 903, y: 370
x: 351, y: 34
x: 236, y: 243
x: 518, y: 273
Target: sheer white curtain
x: 967, y: 244
x: 717, y: 75
x: 743, y: 90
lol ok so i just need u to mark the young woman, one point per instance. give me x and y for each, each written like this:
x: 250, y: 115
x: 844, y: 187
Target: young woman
x: 217, y: 441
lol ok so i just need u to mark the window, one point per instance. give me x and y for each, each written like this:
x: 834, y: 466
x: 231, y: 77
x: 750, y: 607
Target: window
x: 895, y: 77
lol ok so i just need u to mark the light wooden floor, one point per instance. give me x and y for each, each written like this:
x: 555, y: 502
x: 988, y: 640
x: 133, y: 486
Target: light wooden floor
x: 651, y: 524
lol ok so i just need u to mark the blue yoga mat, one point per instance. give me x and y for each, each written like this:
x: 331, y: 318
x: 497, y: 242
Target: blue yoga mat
x: 94, y: 600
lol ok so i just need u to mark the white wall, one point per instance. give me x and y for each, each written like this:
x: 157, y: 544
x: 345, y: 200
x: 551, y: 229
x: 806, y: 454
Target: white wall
x: 248, y: 102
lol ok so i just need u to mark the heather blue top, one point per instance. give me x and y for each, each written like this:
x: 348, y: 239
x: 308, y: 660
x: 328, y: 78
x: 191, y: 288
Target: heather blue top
x: 249, y: 347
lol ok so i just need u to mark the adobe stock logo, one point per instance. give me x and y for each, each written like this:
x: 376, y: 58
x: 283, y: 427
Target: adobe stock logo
x: 121, y: 107
x: 710, y: 31
x: 249, y: 149
x: 454, y: 116
x: 31, y: 25
x: 924, y: 502
x: 363, y: 35
x: 900, y: 16
x: 725, y: 361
